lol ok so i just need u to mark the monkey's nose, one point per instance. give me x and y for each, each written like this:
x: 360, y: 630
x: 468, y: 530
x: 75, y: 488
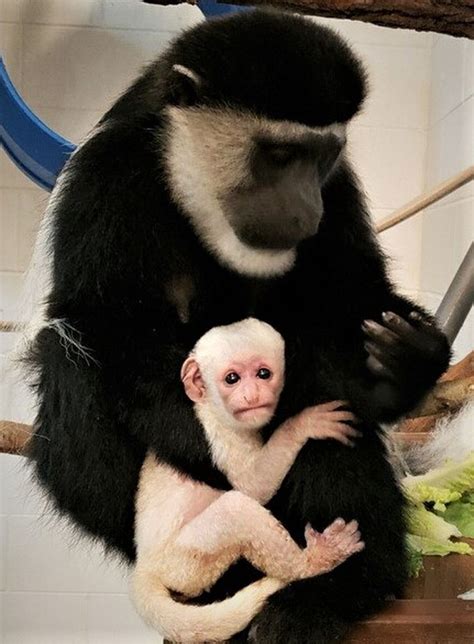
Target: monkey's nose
x: 251, y: 397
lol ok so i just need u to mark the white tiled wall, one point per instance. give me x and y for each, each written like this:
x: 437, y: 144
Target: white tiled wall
x: 448, y: 226
x: 70, y: 59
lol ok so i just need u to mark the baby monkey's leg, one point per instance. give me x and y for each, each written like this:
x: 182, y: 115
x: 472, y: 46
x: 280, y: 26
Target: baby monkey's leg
x: 236, y: 524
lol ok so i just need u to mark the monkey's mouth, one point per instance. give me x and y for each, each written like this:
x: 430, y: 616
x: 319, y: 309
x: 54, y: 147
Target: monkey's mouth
x: 251, y: 410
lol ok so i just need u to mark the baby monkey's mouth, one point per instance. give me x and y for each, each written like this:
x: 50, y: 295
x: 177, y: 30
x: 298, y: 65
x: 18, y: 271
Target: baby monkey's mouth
x: 244, y: 410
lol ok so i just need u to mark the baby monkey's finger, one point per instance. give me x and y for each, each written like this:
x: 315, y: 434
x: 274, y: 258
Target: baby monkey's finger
x: 352, y: 526
x: 341, y: 436
x: 336, y: 526
x: 331, y: 406
x: 310, y: 532
x: 338, y: 416
x: 346, y: 430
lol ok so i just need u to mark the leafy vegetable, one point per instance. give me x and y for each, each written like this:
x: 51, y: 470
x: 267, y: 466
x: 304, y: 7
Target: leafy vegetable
x: 427, y: 546
x: 455, y: 477
x: 415, y: 560
x: 421, y: 492
x: 424, y: 523
x: 449, y: 491
x: 461, y: 515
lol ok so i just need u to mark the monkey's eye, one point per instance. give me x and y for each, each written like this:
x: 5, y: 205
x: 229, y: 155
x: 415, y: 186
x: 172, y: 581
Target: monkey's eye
x: 232, y: 378
x: 264, y: 373
x: 279, y: 155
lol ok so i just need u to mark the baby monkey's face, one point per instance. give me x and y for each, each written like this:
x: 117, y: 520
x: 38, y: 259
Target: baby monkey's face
x: 250, y: 387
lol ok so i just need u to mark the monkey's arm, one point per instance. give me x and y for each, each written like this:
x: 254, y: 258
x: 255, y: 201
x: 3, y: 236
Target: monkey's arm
x: 385, y: 369
x: 188, y: 534
x: 264, y: 471
x: 390, y: 360
x: 237, y: 526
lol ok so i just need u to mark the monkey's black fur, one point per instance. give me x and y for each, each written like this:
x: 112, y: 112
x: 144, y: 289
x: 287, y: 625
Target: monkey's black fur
x: 119, y: 240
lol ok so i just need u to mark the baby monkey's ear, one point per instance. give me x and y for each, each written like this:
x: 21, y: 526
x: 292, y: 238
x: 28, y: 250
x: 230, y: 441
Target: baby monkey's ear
x: 192, y: 380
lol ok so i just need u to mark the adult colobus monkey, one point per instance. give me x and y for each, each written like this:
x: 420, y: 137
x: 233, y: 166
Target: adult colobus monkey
x: 217, y: 188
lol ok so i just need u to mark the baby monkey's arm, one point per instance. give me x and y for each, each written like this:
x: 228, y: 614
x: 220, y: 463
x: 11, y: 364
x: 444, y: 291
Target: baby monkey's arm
x: 236, y: 526
x: 263, y: 473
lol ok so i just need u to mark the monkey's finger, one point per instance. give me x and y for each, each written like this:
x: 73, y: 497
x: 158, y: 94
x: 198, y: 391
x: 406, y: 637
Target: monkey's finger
x: 381, y: 335
x: 389, y: 360
x: 378, y: 369
x: 340, y: 437
x: 336, y: 526
x: 422, y: 322
x: 342, y: 429
x: 415, y: 338
x: 357, y: 547
x: 331, y: 406
x: 352, y: 526
x: 348, y: 430
x: 309, y: 531
x: 337, y: 416
x: 348, y: 542
x: 349, y: 535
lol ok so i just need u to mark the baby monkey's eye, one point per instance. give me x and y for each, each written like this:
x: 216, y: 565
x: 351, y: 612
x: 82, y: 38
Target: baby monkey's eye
x: 232, y: 378
x: 264, y: 373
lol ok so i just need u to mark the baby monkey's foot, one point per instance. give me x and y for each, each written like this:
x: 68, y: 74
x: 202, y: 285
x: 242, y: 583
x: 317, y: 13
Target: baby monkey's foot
x: 330, y: 548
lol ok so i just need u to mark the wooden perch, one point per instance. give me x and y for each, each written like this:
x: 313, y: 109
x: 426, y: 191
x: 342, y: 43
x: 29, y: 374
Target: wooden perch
x: 14, y: 437
x: 445, y: 397
x: 9, y: 327
x: 456, y: 380
x: 454, y: 17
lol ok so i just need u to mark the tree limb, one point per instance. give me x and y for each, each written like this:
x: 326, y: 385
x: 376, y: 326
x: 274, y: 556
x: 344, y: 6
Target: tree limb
x: 445, y: 397
x: 14, y: 437
x: 454, y: 17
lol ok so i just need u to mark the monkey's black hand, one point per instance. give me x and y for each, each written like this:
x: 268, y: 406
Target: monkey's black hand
x: 408, y: 356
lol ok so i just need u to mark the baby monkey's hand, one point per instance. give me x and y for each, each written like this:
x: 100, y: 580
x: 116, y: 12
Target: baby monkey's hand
x: 326, y: 421
x: 332, y: 547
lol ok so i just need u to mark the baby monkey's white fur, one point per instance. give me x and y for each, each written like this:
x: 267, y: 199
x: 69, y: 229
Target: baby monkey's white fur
x: 187, y: 533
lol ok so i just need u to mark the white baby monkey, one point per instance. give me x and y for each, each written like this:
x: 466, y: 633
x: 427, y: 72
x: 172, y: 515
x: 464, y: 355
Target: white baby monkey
x: 187, y: 534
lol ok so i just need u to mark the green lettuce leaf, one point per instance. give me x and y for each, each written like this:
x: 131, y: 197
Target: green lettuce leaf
x: 442, y: 485
x: 422, y: 493
x: 462, y: 516
x: 424, y: 523
x: 415, y: 560
x: 428, y: 546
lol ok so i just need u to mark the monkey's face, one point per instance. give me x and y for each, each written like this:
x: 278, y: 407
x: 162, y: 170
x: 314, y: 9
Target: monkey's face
x: 249, y: 388
x: 251, y: 186
x: 255, y: 108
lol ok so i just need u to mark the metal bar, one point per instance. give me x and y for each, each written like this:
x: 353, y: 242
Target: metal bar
x: 459, y: 298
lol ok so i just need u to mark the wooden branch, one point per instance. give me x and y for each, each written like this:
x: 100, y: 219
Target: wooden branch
x: 454, y: 17
x: 445, y: 397
x: 14, y: 437
x: 459, y: 371
x: 9, y: 327
x: 438, y: 192
x: 444, y: 16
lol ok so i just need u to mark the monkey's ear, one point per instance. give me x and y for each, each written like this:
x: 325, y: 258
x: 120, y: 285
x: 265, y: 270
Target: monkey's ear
x: 192, y: 380
x: 185, y: 86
